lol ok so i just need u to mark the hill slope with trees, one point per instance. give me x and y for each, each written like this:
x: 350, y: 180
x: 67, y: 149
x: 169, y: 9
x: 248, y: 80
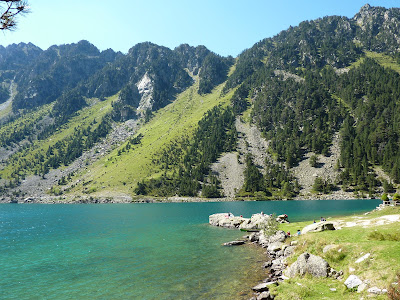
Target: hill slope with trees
x: 325, y: 79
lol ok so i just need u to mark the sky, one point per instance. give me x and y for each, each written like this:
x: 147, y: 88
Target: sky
x: 225, y: 27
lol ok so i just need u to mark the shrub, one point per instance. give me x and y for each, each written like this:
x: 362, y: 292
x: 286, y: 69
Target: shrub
x: 313, y: 161
x: 396, y: 197
x: 271, y: 226
x: 394, y: 290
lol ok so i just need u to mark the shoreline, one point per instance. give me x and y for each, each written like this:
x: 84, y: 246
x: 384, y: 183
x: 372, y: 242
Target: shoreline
x: 274, y: 259
x: 128, y: 199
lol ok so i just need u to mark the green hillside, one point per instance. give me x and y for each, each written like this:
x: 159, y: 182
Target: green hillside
x: 320, y: 101
x: 119, y: 172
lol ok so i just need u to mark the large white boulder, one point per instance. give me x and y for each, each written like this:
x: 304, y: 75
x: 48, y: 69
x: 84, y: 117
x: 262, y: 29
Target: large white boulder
x: 308, y: 263
x: 319, y: 226
x: 225, y: 220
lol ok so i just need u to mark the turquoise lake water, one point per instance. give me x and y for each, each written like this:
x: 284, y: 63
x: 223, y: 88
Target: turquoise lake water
x: 137, y: 251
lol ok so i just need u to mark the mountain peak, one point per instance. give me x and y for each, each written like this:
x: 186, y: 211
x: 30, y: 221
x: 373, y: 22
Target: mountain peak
x: 365, y: 7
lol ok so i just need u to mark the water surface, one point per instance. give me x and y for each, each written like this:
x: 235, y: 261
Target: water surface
x: 136, y: 251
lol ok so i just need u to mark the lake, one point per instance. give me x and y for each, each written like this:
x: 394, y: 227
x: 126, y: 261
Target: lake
x: 137, y: 251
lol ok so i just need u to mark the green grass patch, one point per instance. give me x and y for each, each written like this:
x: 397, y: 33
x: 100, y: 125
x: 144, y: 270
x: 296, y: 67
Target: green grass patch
x: 382, y: 59
x: 350, y: 243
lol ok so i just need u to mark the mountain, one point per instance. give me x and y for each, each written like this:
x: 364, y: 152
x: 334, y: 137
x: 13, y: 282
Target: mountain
x: 311, y: 112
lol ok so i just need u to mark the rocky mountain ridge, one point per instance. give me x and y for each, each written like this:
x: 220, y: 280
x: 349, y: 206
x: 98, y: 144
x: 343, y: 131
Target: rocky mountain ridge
x: 326, y: 88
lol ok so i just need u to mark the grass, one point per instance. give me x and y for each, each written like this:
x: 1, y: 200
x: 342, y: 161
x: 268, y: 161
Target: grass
x: 118, y: 174
x: 382, y: 59
x: 350, y: 244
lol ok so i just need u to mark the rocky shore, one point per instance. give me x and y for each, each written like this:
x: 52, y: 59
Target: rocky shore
x: 280, y: 246
x: 278, y: 249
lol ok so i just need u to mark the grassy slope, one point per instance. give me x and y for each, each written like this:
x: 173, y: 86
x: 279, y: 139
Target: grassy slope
x: 83, y: 119
x: 118, y: 174
x: 380, y: 269
x: 382, y: 59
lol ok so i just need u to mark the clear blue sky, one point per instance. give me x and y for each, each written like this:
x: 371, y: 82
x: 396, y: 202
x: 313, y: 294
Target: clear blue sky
x: 225, y: 27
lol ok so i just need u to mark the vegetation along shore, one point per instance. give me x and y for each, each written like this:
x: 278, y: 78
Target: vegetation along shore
x: 353, y: 257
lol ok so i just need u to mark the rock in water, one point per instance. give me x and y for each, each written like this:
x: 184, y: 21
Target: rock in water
x: 233, y: 243
x: 225, y: 220
x: 262, y: 287
x: 308, y: 263
x: 320, y: 226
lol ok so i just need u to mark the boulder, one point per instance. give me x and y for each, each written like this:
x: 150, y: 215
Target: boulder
x: 361, y: 259
x: 352, y: 282
x: 275, y: 247
x: 282, y: 219
x: 267, y: 264
x: 233, y: 243
x: 254, y: 237
x: 255, y: 222
x: 264, y: 296
x: 279, y: 236
x: 328, y: 248
x: 309, y: 263
x: 289, y: 251
x: 262, y: 287
x: 320, y: 226
x: 225, y: 220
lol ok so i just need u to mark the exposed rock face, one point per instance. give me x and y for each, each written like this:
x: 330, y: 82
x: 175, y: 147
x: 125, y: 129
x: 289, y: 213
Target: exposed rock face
x: 320, y: 226
x: 308, y: 263
x: 145, y: 87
